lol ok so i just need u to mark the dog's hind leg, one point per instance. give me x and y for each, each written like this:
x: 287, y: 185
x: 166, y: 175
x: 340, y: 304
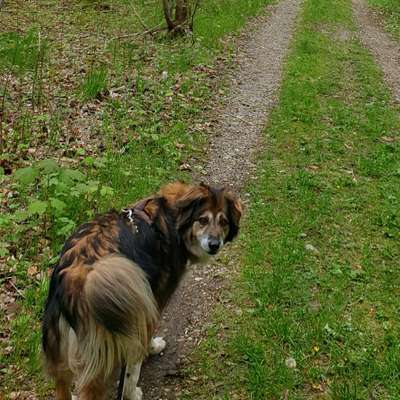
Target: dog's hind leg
x: 94, y: 390
x: 157, y: 345
x: 63, y: 386
x: 131, y: 391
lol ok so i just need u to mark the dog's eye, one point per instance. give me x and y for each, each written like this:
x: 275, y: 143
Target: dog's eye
x: 223, y: 222
x: 203, y: 220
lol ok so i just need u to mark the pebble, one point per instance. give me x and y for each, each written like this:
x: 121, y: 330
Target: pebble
x: 310, y: 247
x: 290, y: 362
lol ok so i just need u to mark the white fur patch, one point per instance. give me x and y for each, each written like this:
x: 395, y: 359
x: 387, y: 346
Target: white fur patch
x: 157, y: 345
x: 204, y: 243
x: 131, y: 391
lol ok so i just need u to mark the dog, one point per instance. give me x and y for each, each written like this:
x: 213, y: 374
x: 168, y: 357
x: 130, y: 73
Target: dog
x: 115, y: 275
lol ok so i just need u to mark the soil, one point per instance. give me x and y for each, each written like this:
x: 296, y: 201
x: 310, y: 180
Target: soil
x: 253, y: 90
x: 385, y: 50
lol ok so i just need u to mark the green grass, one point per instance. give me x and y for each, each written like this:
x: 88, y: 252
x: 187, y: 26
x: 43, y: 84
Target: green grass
x: 95, y: 84
x: 82, y: 88
x: 330, y: 179
x: 391, y: 11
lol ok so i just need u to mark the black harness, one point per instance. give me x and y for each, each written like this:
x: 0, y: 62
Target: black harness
x: 120, y: 392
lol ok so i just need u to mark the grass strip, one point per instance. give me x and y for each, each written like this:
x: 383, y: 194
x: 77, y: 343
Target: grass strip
x: 391, y: 12
x: 314, y: 310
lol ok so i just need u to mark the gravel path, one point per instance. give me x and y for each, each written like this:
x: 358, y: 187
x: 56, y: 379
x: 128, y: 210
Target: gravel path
x: 385, y: 50
x: 253, y: 92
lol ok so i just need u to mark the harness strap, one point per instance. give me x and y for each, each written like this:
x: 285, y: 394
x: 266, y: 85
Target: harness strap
x: 139, y: 211
x: 121, y: 383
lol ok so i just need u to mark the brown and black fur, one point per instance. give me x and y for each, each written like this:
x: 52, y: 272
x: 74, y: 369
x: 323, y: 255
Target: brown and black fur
x: 115, y: 274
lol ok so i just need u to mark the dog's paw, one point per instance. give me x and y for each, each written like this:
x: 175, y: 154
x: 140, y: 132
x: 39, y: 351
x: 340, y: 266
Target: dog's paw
x: 135, y: 394
x: 157, y: 345
x: 138, y: 394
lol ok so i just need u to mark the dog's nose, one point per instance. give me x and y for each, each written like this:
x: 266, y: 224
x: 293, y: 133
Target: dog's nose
x: 213, y: 245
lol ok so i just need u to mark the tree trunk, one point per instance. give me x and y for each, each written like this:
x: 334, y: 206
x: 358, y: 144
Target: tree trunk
x: 168, y: 15
x: 178, y: 18
x: 181, y: 12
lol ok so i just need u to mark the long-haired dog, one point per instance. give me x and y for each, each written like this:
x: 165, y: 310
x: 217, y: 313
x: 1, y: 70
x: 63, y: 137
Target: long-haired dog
x: 114, y: 277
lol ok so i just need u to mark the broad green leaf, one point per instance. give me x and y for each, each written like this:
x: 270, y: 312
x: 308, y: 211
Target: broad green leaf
x: 37, y: 207
x: 107, y: 191
x: 67, y: 226
x: 48, y: 166
x: 27, y: 175
x: 82, y: 188
x: 1, y: 172
x: 5, y: 220
x: 89, y: 161
x: 57, y: 204
x: 93, y: 186
x: 21, y: 215
x: 72, y: 174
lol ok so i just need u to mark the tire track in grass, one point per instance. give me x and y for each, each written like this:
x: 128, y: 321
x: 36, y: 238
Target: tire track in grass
x: 252, y: 93
x: 385, y: 50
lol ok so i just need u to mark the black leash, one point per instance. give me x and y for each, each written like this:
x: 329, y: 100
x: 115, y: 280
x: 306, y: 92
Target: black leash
x: 120, y: 392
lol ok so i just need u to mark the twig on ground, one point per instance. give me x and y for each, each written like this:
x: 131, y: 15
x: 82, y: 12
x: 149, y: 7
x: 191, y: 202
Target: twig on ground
x: 17, y: 290
x: 148, y: 32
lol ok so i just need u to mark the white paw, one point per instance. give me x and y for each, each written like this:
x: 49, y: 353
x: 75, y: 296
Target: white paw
x: 73, y: 397
x: 138, y: 394
x: 157, y: 345
x: 135, y: 394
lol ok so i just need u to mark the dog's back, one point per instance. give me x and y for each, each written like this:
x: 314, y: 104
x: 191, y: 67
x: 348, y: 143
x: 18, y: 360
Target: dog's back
x: 100, y: 310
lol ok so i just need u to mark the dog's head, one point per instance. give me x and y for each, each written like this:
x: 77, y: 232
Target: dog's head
x: 207, y: 217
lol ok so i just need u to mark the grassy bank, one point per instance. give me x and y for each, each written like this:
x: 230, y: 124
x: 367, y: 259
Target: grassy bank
x: 391, y: 13
x: 94, y: 114
x: 313, y: 311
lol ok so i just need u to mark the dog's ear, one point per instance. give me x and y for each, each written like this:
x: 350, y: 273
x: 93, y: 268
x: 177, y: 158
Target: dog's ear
x: 235, y: 210
x: 187, y: 204
x: 193, y: 194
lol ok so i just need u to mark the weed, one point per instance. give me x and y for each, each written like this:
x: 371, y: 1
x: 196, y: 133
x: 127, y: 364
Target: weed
x: 95, y: 84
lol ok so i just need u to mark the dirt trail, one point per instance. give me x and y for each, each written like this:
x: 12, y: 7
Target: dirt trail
x: 253, y: 91
x: 385, y: 50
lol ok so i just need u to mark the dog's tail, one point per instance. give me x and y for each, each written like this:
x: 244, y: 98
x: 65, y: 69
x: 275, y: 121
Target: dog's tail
x: 121, y: 316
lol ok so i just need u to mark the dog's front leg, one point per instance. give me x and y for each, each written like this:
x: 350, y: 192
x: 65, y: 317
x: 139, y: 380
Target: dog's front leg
x: 131, y: 391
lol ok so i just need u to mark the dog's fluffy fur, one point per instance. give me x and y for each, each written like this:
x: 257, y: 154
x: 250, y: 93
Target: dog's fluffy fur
x: 116, y: 274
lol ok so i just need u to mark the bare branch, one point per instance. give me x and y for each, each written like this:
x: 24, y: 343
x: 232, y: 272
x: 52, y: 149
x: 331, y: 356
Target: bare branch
x: 196, y: 6
x: 147, y: 32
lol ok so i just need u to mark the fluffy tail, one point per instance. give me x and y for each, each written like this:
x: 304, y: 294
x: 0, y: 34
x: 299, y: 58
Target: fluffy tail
x: 121, y: 317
